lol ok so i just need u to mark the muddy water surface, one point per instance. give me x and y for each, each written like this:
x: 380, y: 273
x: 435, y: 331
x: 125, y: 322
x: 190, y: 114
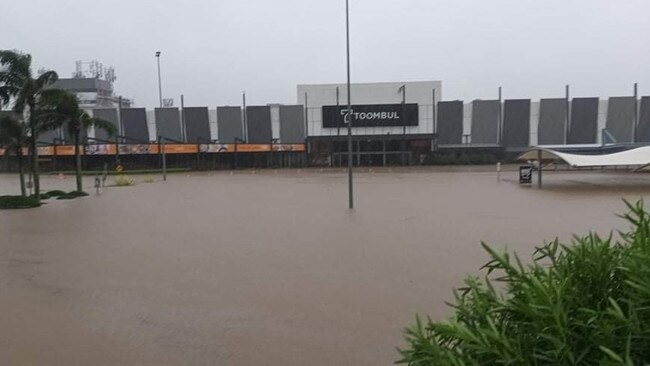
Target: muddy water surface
x: 267, y: 268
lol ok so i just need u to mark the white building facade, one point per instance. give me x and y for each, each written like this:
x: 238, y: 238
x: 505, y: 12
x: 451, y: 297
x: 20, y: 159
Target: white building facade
x: 377, y: 106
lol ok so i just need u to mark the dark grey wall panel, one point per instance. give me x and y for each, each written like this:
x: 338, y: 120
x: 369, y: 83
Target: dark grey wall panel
x: 229, y: 120
x: 107, y: 114
x: 134, y: 121
x: 259, y: 124
x: 168, y: 123
x: 620, y: 118
x: 584, y: 121
x: 49, y: 136
x: 197, y: 124
x: 643, y: 129
x: 516, y: 123
x: 450, y: 122
x: 551, y: 129
x: 292, y: 124
x: 485, y: 121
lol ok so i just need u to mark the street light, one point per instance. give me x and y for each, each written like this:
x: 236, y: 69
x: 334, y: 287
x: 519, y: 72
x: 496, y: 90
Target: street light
x: 159, y: 83
x: 402, y: 89
x: 349, y: 114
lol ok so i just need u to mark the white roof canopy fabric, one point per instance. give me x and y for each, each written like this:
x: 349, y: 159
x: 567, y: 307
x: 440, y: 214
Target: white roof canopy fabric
x: 639, y: 156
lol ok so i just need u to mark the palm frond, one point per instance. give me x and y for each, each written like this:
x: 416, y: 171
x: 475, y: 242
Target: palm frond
x: 12, y: 132
x: 46, y: 79
x: 20, y: 103
x: 103, y: 124
x: 59, y: 108
x: 53, y: 98
x: 49, y: 120
x: 7, y: 77
x: 6, y: 93
x: 16, y: 62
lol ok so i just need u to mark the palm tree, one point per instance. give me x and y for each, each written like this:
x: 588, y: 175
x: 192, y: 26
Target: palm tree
x: 61, y: 109
x: 18, y: 85
x: 13, y: 136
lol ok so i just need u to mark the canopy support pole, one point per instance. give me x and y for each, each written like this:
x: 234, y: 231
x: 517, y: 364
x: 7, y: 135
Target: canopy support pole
x: 539, y: 168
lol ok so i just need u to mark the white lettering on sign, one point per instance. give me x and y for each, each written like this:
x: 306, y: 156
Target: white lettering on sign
x: 344, y: 112
x: 370, y: 115
x: 375, y: 115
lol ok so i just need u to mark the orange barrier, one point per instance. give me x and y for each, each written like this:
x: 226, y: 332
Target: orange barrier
x: 141, y: 149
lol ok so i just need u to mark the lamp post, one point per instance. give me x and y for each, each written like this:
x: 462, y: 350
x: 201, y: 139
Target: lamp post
x: 402, y: 89
x: 348, y: 115
x: 159, y: 83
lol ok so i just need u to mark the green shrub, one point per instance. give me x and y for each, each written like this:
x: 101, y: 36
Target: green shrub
x: 16, y: 202
x: 72, y: 195
x: 44, y: 196
x: 123, y: 180
x: 55, y: 193
x: 582, y: 304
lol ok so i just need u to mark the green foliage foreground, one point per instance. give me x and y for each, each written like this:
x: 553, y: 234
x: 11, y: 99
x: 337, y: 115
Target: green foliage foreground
x: 123, y: 180
x: 43, y: 196
x: 587, y: 303
x: 56, y: 193
x: 72, y: 195
x: 17, y: 202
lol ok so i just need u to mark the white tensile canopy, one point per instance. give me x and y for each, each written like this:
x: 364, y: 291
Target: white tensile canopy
x: 639, y: 156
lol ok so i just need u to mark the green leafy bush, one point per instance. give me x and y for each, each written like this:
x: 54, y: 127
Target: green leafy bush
x: 72, y: 195
x: 55, y: 193
x: 582, y: 304
x: 44, y: 196
x: 123, y: 180
x: 16, y: 202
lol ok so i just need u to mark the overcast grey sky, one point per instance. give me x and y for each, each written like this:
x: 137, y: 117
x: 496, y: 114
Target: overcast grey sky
x: 212, y: 50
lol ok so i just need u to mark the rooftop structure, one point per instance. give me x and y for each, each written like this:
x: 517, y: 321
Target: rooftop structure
x: 93, y: 85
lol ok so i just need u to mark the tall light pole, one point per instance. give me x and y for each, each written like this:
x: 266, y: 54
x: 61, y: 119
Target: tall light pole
x: 348, y: 115
x: 402, y: 89
x: 159, y: 83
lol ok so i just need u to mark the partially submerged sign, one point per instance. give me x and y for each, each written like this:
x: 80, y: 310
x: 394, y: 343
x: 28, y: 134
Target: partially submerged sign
x: 526, y: 174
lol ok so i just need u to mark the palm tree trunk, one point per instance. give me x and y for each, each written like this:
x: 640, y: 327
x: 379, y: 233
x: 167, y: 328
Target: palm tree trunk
x: 34, y: 150
x: 19, y: 154
x: 77, y: 155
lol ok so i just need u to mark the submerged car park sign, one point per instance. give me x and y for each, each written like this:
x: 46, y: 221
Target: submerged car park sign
x: 372, y: 115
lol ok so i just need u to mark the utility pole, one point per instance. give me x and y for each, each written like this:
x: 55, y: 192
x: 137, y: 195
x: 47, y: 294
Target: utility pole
x: 636, y: 111
x: 402, y: 89
x: 500, y: 118
x: 348, y: 115
x: 338, y: 110
x: 244, y: 118
x: 183, y: 128
x: 567, y: 121
x: 433, y: 121
x: 159, y: 82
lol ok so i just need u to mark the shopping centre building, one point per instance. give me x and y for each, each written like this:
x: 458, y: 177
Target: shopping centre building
x: 392, y: 123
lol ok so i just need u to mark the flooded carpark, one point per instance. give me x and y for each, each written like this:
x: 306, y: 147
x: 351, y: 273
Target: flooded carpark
x: 269, y: 267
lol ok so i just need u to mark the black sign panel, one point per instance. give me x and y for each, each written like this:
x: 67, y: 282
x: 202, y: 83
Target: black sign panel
x: 372, y: 115
x: 525, y: 174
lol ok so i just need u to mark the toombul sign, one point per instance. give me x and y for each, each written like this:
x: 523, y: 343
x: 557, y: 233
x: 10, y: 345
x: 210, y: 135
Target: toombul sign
x: 372, y: 115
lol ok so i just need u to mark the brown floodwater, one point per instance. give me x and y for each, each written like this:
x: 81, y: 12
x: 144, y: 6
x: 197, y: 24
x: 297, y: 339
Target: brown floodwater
x: 268, y: 268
